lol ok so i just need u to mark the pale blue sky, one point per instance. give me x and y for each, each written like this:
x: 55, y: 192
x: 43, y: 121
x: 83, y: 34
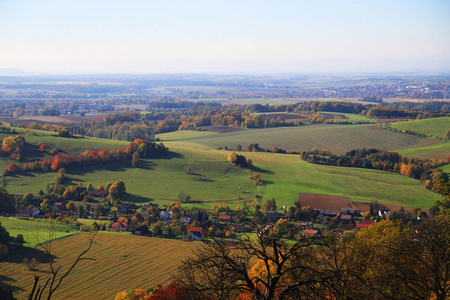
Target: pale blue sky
x: 245, y: 36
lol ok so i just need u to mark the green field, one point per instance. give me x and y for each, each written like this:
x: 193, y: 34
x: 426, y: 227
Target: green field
x: 432, y: 127
x: 336, y: 138
x: 351, y: 117
x: 122, y: 262
x: 35, y: 230
x: 159, y: 179
x: 284, y: 176
x: 292, y: 175
x: 446, y: 169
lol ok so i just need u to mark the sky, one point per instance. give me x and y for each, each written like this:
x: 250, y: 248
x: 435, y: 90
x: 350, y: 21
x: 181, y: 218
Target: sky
x: 215, y: 36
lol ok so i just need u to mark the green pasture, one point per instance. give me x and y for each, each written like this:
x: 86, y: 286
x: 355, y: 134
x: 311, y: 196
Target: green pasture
x: 439, y: 151
x: 159, y: 179
x: 335, y: 137
x: 36, y: 230
x: 283, y: 176
x: 446, y: 169
x: 290, y: 175
x: 432, y: 127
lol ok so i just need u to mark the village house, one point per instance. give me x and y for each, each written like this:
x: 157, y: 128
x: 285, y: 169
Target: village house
x: 225, y: 218
x: 186, y: 220
x: 27, y: 212
x: 123, y: 208
x: 311, y: 232
x: 365, y: 224
x: 165, y: 215
x: 59, y: 206
x: 99, y: 193
x: 345, y: 219
x: 325, y: 213
x: 195, y: 233
x: 141, y: 230
x: 241, y: 228
x: 119, y: 226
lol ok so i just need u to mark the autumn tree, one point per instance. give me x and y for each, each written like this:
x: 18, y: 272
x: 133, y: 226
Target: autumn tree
x: 237, y: 159
x: 117, y: 190
x: 222, y: 271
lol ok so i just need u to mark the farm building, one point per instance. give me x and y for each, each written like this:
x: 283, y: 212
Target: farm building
x: 119, y: 226
x: 365, y: 223
x: 226, y: 218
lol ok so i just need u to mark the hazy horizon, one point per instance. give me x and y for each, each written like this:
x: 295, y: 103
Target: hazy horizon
x: 250, y: 37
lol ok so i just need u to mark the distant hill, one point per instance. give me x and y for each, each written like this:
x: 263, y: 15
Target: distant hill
x: 12, y: 72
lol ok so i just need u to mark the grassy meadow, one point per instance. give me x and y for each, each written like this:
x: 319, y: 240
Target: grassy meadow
x: 284, y: 176
x: 122, y: 262
x: 291, y: 175
x: 432, y: 127
x: 35, y: 231
x: 351, y: 117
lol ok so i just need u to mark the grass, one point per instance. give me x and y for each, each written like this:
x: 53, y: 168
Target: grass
x: 160, y: 179
x: 351, y: 117
x: 36, y: 229
x: 337, y: 138
x: 292, y: 175
x: 432, y: 127
x: 446, y: 169
x: 284, y: 176
x: 122, y: 262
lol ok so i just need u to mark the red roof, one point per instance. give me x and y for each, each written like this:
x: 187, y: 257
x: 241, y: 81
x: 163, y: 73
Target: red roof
x: 119, y: 224
x: 310, y: 232
x: 57, y: 204
x: 225, y: 217
x: 22, y: 211
x: 194, y: 229
x: 365, y: 223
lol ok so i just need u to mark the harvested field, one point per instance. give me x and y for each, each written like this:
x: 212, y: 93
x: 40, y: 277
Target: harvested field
x: 46, y: 119
x: 42, y: 120
x: 327, y: 116
x: 122, y: 262
x: 222, y: 129
x: 364, y: 206
x: 324, y: 201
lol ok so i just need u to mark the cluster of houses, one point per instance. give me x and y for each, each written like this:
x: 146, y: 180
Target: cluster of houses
x: 196, y: 233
